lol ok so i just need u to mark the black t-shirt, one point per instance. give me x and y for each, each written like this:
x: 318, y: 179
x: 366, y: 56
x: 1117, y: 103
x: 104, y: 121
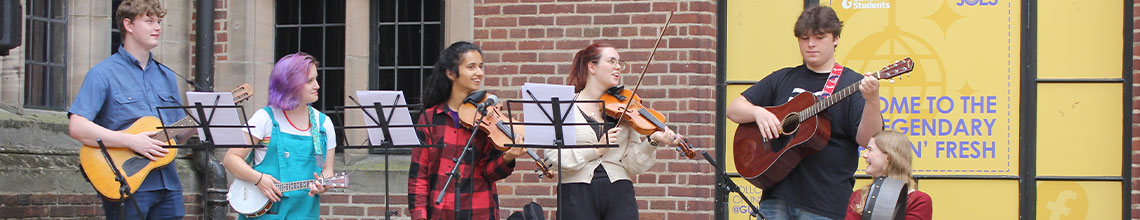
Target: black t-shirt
x: 822, y: 182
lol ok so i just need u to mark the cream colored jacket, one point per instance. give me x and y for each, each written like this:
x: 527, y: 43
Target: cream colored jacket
x: 633, y: 155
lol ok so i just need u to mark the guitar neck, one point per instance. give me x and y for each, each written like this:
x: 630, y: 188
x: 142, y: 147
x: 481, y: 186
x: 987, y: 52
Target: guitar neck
x: 166, y: 134
x: 832, y: 99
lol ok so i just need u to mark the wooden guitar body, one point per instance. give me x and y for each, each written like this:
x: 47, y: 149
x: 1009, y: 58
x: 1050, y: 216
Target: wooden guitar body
x: 765, y: 163
x: 804, y: 130
x: 132, y: 165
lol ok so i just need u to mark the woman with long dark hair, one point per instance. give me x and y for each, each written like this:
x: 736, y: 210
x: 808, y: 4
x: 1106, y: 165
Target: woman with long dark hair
x: 457, y: 73
x: 596, y: 182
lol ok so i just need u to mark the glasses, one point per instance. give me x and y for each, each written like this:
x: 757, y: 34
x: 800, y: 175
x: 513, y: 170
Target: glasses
x: 622, y: 65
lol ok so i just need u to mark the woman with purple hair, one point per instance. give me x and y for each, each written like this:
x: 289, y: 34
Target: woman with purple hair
x: 296, y: 149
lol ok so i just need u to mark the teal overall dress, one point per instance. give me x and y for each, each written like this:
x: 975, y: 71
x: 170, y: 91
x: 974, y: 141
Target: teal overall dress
x: 291, y: 158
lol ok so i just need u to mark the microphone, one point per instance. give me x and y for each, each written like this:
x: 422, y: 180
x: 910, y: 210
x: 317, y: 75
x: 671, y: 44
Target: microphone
x: 491, y: 100
x: 710, y: 159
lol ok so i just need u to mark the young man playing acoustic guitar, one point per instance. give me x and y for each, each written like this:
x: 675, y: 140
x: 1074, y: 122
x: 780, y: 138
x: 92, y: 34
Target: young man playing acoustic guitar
x: 819, y: 186
x: 122, y: 88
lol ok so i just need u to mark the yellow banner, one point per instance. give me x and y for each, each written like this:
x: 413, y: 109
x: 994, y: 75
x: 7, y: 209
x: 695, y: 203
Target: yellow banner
x: 960, y: 104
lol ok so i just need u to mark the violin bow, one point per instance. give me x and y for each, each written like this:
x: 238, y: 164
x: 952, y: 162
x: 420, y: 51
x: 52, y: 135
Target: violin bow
x: 646, y: 67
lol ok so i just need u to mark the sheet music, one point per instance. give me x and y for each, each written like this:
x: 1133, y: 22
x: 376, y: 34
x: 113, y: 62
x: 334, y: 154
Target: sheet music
x: 544, y: 134
x: 224, y: 116
x: 401, y: 135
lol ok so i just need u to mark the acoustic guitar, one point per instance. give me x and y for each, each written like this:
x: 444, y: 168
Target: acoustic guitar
x: 246, y: 198
x: 802, y: 132
x: 133, y: 166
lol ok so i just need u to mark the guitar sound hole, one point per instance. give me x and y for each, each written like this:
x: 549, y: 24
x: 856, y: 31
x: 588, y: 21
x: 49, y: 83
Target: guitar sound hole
x: 789, y: 125
x: 134, y: 165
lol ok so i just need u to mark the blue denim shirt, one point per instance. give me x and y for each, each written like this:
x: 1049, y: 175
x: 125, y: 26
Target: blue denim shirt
x: 117, y: 91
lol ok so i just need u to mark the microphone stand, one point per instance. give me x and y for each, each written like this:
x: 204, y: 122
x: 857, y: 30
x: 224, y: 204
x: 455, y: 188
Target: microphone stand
x: 124, y: 189
x: 730, y: 186
x: 459, y: 160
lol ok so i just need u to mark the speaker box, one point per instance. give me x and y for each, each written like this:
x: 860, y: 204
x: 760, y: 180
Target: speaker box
x: 11, y: 19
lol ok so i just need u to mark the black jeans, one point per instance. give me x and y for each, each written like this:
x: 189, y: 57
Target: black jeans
x: 599, y: 199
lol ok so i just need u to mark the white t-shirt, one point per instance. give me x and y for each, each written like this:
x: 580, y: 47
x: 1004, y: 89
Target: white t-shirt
x: 262, y: 128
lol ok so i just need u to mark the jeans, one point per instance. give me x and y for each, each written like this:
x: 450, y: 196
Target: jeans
x: 158, y: 204
x: 778, y: 209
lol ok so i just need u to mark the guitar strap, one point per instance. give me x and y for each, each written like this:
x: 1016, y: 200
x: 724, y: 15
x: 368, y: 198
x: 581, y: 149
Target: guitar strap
x: 886, y: 199
x: 832, y: 80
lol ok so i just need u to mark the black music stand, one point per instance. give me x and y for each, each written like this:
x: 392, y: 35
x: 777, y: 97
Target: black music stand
x: 728, y: 185
x: 558, y: 120
x: 124, y: 188
x: 382, y: 122
x: 204, y: 122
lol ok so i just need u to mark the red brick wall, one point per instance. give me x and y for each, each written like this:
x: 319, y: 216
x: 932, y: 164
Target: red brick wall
x: 221, y: 31
x: 534, y: 41
x: 1135, y: 110
x: 68, y: 206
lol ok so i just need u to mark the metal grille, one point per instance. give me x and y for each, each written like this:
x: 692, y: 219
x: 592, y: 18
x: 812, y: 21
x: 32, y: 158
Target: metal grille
x: 408, y: 36
x: 316, y: 28
x: 45, y: 82
x: 116, y: 34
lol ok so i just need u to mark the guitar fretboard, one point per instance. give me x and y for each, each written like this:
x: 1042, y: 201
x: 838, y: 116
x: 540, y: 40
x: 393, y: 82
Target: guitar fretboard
x: 832, y: 99
x: 162, y: 135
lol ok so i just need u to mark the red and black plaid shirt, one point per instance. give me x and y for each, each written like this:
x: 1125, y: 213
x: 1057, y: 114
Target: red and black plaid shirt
x: 429, y: 168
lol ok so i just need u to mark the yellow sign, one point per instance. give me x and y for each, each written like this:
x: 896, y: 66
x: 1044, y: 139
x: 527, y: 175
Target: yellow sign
x: 737, y: 208
x: 960, y: 104
x: 1061, y: 200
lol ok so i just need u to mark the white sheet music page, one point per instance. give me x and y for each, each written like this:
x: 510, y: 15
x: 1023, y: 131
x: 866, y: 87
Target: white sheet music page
x: 220, y: 116
x: 401, y: 135
x: 544, y: 134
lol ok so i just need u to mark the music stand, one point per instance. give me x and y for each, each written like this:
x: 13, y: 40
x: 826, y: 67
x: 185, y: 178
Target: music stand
x: 728, y: 185
x: 205, y: 123
x: 558, y: 120
x: 382, y: 120
x: 124, y: 188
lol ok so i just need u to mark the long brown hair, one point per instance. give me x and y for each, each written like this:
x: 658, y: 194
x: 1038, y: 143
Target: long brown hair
x: 898, y: 149
x: 580, y: 69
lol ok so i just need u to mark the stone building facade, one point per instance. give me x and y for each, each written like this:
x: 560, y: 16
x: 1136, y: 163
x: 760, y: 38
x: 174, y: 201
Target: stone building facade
x: 524, y: 41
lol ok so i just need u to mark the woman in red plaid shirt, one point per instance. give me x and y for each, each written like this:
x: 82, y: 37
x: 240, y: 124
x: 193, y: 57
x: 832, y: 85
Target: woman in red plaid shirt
x: 457, y: 73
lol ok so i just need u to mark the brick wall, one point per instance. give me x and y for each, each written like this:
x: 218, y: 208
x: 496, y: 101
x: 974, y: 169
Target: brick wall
x: 221, y: 31
x: 1135, y: 110
x: 534, y: 41
x: 69, y: 206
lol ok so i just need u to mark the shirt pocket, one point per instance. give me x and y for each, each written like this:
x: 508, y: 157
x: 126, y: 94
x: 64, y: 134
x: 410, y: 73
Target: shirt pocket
x: 127, y: 106
x: 168, y: 97
x: 126, y: 98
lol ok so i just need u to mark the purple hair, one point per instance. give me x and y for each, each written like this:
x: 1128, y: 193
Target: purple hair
x: 287, y: 79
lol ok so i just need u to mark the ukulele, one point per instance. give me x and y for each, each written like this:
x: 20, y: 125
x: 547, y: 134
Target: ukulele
x: 765, y: 162
x: 245, y: 198
x: 133, y: 166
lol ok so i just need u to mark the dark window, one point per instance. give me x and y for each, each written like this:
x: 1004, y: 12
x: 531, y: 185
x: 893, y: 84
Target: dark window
x: 316, y: 28
x: 45, y: 62
x: 407, y: 41
x: 116, y: 34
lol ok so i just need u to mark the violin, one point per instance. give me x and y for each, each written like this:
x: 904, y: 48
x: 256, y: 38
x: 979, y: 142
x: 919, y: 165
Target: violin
x: 625, y: 105
x: 642, y: 119
x: 484, y: 109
